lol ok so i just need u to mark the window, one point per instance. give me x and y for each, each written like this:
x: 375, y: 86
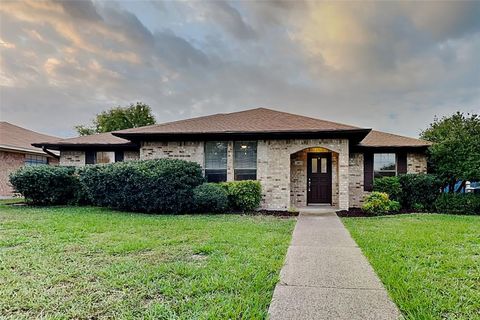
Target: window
x: 96, y: 157
x: 216, y: 161
x: 119, y: 156
x: 245, y: 160
x: 35, y: 160
x: 384, y: 165
x: 105, y: 157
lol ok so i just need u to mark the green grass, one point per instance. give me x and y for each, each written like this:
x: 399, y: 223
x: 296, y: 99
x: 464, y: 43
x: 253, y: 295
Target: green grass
x: 430, y: 264
x: 84, y: 262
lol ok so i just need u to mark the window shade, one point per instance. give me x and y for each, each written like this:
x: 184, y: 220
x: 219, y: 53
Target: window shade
x: 245, y: 155
x: 215, y: 155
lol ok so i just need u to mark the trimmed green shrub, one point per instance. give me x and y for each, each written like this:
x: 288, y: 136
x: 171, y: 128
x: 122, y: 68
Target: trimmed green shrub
x: 244, y: 195
x: 389, y: 185
x: 46, y: 185
x: 379, y: 203
x: 160, y: 186
x: 210, y: 197
x: 458, y: 203
x: 419, y: 191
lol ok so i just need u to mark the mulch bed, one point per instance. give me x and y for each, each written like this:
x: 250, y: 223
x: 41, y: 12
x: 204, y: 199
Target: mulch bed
x: 278, y: 213
x: 353, y: 212
x: 358, y: 213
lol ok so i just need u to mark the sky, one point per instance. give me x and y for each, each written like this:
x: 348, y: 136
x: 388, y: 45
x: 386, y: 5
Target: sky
x: 392, y: 66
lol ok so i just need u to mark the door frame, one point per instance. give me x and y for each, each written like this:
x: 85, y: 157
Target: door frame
x: 329, y: 170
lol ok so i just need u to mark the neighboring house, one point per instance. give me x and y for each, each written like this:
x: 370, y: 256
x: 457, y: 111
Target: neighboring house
x: 92, y: 149
x: 299, y: 160
x: 16, y: 150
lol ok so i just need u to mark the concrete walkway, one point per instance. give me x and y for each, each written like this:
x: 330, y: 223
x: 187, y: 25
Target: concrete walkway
x: 326, y: 276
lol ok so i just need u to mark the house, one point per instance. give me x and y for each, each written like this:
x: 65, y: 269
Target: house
x: 299, y: 160
x: 16, y: 150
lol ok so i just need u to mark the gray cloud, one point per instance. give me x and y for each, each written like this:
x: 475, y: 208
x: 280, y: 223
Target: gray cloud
x: 391, y: 66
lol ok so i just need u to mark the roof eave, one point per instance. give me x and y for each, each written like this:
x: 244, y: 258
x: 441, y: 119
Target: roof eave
x: 358, y: 134
x: 76, y: 146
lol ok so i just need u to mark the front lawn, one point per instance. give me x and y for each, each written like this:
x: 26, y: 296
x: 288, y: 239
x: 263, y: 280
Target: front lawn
x: 84, y: 262
x: 430, y: 264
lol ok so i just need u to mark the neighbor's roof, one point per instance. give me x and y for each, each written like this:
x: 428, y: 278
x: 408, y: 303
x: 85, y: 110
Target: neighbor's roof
x: 16, y: 138
x: 260, y: 120
x: 99, y: 139
x: 384, y: 139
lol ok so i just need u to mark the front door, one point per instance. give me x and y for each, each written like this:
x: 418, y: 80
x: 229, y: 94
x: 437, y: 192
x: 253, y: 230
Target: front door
x: 319, y: 178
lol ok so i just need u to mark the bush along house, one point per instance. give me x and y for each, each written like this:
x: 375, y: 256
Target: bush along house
x: 299, y: 161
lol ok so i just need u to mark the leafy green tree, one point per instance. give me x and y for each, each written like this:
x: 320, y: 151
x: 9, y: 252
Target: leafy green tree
x: 118, y: 118
x: 455, y: 154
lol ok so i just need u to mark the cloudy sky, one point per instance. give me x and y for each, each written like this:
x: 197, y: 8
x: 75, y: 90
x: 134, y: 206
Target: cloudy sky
x: 391, y: 66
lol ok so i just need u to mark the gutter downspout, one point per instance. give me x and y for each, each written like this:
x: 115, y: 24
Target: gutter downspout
x: 44, y: 149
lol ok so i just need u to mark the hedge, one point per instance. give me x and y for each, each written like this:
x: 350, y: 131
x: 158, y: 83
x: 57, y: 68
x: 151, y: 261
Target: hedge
x: 389, y: 185
x: 160, y: 186
x: 458, y: 203
x: 244, y: 195
x: 419, y: 191
x: 46, y: 185
x: 210, y: 197
x: 379, y: 203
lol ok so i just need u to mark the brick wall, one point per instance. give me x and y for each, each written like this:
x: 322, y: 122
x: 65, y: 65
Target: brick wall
x: 274, y: 170
x: 355, y: 180
x: 9, y: 162
x: 131, y: 155
x: 298, y: 178
x: 416, y: 163
x: 72, y: 158
x: 185, y: 150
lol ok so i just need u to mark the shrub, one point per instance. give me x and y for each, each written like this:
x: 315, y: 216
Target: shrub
x: 46, y: 185
x: 378, y: 203
x: 210, y: 197
x: 244, y: 195
x: 458, y: 203
x: 419, y: 191
x: 161, y: 185
x: 389, y: 185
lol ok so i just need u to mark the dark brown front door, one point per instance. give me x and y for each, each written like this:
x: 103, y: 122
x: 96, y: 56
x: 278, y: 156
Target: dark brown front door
x: 319, y: 178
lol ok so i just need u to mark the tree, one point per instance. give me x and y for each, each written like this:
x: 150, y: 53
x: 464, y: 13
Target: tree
x: 118, y: 118
x: 455, y: 154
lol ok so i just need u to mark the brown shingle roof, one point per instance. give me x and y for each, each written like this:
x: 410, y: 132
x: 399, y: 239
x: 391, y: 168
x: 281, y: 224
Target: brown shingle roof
x: 92, y: 140
x: 20, y: 139
x: 384, y: 139
x: 260, y: 120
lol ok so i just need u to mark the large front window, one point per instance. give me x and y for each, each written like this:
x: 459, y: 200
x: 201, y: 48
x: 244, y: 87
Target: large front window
x: 216, y: 161
x: 35, y: 160
x: 245, y: 160
x: 384, y: 165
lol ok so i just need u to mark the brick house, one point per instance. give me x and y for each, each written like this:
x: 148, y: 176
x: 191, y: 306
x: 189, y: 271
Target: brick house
x: 299, y: 160
x: 16, y: 151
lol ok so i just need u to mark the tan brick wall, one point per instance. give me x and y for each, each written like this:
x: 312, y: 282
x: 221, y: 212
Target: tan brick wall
x: 131, y: 155
x: 9, y: 162
x: 273, y: 169
x: 298, y: 178
x: 416, y: 163
x: 185, y: 150
x: 230, y: 168
x: 355, y: 182
x: 72, y: 158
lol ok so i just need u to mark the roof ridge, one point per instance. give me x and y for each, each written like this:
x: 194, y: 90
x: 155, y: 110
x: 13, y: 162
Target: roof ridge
x: 25, y: 129
x: 159, y: 125
x: 308, y: 117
